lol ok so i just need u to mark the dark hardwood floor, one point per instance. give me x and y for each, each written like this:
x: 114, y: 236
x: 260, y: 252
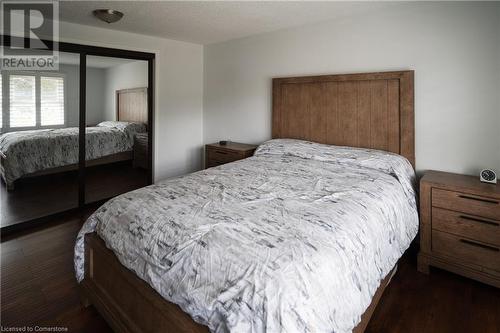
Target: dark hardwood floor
x: 38, y: 288
x: 37, y: 197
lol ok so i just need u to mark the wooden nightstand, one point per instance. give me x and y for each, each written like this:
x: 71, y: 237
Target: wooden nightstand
x: 141, y: 151
x: 216, y: 154
x: 460, y: 226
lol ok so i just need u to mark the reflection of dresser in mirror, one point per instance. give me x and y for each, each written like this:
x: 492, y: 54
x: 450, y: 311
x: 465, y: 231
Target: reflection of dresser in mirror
x: 141, y: 151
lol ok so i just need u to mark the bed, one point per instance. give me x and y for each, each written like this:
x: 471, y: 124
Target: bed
x: 303, y: 236
x: 47, y: 151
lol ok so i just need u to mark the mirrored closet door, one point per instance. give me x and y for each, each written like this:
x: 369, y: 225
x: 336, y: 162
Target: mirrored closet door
x: 39, y: 147
x: 116, y: 136
x: 76, y: 135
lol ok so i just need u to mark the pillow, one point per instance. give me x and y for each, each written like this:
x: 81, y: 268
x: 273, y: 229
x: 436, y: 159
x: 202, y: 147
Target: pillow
x: 124, y: 126
x: 383, y: 161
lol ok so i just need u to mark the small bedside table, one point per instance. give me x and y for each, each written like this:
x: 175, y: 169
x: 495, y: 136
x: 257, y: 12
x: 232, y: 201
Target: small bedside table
x: 460, y: 226
x: 140, y: 151
x: 216, y: 154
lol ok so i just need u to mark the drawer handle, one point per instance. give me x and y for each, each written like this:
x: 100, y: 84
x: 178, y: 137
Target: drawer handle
x: 487, y: 247
x: 478, y: 199
x: 221, y: 152
x: 465, y: 217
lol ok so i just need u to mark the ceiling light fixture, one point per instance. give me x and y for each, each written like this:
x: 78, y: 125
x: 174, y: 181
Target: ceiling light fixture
x: 108, y: 15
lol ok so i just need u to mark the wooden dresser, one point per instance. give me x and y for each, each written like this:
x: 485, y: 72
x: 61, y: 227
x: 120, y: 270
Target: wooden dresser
x: 217, y: 154
x: 460, y: 226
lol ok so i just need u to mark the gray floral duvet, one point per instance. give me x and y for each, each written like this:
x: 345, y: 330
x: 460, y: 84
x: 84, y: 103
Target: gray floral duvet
x: 294, y: 239
x: 26, y: 152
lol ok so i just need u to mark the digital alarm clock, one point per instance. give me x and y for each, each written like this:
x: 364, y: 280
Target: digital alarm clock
x: 488, y: 176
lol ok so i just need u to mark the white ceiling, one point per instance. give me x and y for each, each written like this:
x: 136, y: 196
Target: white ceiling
x: 207, y: 22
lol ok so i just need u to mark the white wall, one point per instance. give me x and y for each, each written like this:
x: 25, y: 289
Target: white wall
x: 102, y: 84
x: 96, y: 97
x: 454, y: 49
x: 178, y: 93
x: 126, y: 76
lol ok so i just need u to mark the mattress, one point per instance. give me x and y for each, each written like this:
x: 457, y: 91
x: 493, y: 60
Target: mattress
x: 26, y: 152
x: 296, y: 238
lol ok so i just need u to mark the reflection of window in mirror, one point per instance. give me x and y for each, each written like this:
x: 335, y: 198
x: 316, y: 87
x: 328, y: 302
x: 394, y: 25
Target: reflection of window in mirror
x: 32, y: 101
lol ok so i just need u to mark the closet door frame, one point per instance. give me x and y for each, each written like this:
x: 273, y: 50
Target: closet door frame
x: 87, y: 50
x: 82, y: 123
x: 83, y: 51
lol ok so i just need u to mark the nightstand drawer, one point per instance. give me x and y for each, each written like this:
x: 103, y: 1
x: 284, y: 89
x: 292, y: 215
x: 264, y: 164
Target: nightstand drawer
x: 466, y: 250
x: 466, y: 225
x: 222, y: 155
x: 213, y: 163
x: 467, y: 203
x: 217, y: 154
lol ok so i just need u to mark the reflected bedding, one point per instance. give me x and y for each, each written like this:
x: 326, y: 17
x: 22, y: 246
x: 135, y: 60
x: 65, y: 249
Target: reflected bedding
x: 26, y: 152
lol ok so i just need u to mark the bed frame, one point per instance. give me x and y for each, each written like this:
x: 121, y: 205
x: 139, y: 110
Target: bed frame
x: 363, y: 110
x: 131, y: 105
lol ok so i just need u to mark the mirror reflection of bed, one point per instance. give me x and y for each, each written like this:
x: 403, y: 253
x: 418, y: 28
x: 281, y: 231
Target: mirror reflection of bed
x: 40, y: 162
x: 125, y: 112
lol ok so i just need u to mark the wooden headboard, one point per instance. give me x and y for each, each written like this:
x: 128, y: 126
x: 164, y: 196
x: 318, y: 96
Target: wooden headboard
x: 370, y: 110
x: 132, y: 105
